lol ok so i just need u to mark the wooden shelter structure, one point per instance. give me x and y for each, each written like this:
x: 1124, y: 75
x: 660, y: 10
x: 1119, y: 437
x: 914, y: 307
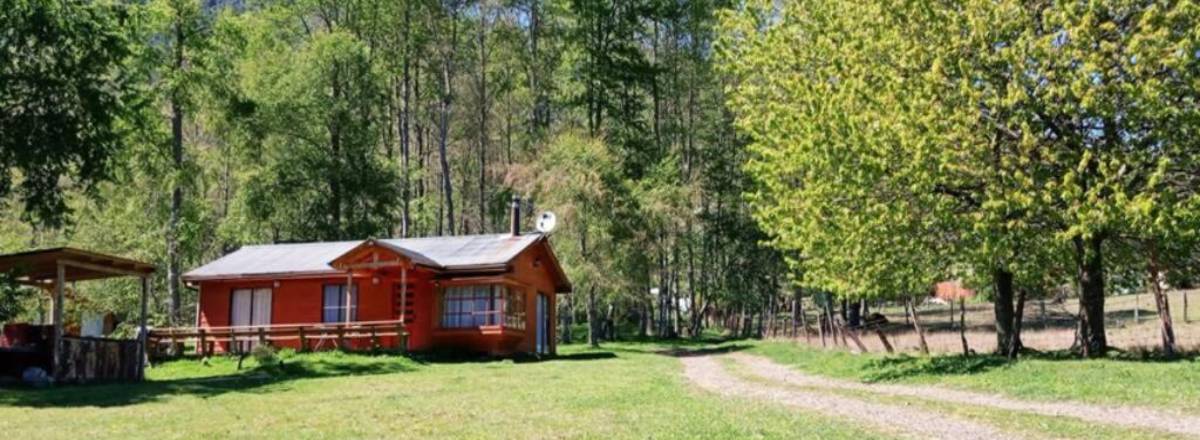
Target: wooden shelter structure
x: 77, y: 358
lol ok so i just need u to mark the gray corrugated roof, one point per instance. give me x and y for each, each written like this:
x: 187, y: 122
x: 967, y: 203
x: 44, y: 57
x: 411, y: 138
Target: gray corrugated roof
x: 453, y: 252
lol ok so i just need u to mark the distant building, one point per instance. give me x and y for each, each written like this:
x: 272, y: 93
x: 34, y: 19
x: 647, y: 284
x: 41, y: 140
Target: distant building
x: 952, y: 291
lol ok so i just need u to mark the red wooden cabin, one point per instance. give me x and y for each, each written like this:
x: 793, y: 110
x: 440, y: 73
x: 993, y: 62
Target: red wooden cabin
x: 492, y: 294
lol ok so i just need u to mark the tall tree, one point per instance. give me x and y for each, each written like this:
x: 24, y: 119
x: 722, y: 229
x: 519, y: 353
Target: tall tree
x: 64, y: 98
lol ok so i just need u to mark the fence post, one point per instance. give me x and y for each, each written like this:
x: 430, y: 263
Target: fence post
x: 232, y: 342
x: 200, y: 348
x: 262, y: 336
x: 374, y: 339
x: 341, y: 336
x: 303, y: 342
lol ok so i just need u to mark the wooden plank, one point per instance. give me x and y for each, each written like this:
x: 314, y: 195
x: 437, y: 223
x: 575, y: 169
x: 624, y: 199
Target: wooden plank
x: 102, y: 269
x: 59, y: 285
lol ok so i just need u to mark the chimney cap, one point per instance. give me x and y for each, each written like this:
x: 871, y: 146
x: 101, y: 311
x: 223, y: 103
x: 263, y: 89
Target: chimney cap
x: 515, y: 228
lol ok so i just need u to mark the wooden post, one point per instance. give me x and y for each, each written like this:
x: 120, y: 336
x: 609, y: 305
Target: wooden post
x: 401, y: 341
x: 403, y: 297
x: 142, y: 328
x: 349, y: 293
x: 59, y: 283
x: 962, y: 327
x: 883, y: 338
x: 341, y: 336
x: 1137, y: 307
x: 200, y: 348
x: 374, y: 339
x: 303, y: 341
x: 232, y: 343
x: 262, y: 336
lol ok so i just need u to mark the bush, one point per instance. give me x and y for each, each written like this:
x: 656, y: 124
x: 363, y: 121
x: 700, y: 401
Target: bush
x: 265, y: 354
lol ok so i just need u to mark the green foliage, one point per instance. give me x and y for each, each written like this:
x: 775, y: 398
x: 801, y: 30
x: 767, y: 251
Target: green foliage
x: 14, y: 298
x: 896, y: 143
x: 66, y: 95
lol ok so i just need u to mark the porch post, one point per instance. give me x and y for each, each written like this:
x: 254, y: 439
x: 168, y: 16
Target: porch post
x: 349, y: 293
x: 60, y: 281
x: 141, y: 351
x: 401, y: 339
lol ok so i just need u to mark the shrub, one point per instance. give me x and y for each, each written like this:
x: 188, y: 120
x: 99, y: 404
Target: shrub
x: 265, y: 354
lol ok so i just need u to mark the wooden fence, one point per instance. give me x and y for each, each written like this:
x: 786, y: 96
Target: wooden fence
x: 98, y: 359
x: 307, y: 337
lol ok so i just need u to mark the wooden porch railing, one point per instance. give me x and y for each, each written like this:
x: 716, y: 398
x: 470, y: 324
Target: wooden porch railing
x: 313, y: 336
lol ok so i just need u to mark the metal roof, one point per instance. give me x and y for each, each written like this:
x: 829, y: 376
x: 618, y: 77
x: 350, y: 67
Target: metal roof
x: 446, y: 253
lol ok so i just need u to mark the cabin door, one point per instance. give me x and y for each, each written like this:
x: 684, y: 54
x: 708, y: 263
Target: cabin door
x: 543, y: 324
x: 250, y: 308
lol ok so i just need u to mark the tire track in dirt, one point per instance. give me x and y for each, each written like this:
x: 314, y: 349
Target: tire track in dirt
x: 707, y: 373
x: 1123, y: 416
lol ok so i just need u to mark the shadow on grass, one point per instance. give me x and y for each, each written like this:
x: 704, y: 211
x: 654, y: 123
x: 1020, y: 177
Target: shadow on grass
x: 258, y: 379
x: 689, y: 352
x: 904, y: 366
x: 1138, y: 355
x: 900, y: 367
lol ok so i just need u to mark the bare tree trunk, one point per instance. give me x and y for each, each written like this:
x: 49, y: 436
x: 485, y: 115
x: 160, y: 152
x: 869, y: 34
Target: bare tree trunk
x: 821, y: 327
x: 483, y: 117
x: 405, y: 120
x: 803, y: 318
x: 1186, y: 320
x: 593, y: 332
x: 444, y: 123
x: 173, y: 287
x: 568, y: 318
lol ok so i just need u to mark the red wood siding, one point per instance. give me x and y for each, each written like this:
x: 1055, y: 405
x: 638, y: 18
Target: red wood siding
x: 299, y: 301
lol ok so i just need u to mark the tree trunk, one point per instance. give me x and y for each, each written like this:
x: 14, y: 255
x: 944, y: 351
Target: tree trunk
x: 483, y: 117
x: 821, y: 327
x: 405, y: 118
x: 854, y: 314
x: 1015, y: 345
x: 568, y: 318
x: 803, y: 319
x: 1090, y: 273
x: 1162, y: 305
x: 444, y: 124
x: 962, y: 327
x: 1186, y: 320
x: 916, y: 322
x: 1002, y: 304
x: 593, y: 332
x: 173, y: 287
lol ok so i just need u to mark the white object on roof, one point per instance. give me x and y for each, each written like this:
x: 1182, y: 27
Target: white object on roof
x: 546, y: 222
x: 446, y: 253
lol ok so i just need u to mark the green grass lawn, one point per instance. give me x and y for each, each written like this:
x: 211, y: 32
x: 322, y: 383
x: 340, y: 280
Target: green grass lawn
x: 622, y: 391
x: 1159, y: 384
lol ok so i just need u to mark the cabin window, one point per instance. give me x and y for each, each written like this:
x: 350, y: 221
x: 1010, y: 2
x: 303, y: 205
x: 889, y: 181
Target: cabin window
x: 333, y: 306
x: 250, y: 307
x: 482, y: 305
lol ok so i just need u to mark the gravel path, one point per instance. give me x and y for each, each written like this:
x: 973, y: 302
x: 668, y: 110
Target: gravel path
x: 1125, y: 416
x: 706, y: 372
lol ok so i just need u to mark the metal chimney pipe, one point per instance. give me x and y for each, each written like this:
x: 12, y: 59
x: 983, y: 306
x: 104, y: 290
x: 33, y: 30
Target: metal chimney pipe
x: 515, y: 229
